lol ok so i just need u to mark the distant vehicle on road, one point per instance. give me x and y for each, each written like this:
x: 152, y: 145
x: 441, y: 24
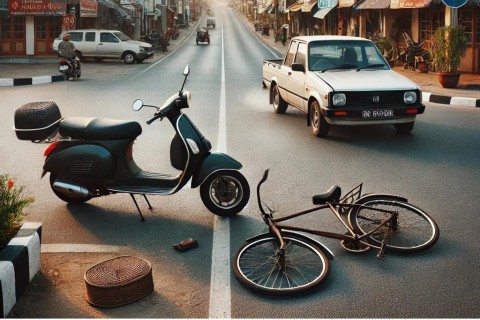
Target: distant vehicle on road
x: 211, y: 22
x: 203, y: 35
x: 106, y: 44
x: 341, y: 80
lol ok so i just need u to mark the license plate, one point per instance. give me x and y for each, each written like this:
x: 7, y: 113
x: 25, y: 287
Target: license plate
x: 63, y: 68
x: 375, y: 114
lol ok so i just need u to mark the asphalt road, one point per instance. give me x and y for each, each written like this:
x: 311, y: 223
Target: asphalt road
x: 436, y: 168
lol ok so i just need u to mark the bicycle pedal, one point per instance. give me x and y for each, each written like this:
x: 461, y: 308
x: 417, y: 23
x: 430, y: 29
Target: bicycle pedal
x: 186, y: 244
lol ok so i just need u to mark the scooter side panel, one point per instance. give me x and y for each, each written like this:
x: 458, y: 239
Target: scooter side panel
x: 214, y: 162
x: 86, y: 160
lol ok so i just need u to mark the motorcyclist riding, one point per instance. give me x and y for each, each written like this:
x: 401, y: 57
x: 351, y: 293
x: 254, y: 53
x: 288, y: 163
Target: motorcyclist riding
x: 66, y: 49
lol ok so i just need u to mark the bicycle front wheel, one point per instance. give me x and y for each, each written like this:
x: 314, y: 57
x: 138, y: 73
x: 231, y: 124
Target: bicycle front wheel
x: 260, y: 266
x: 412, y: 231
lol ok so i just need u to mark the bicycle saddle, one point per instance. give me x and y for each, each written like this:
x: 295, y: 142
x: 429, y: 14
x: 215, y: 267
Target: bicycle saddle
x: 332, y: 195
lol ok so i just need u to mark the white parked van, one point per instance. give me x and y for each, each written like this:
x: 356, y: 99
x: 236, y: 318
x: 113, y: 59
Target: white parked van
x: 106, y: 44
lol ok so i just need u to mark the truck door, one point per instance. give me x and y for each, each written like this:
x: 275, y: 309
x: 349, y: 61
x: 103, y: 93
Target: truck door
x: 89, y: 43
x: 296, y: 80
x: 109, y: 45
x: 286, y: 71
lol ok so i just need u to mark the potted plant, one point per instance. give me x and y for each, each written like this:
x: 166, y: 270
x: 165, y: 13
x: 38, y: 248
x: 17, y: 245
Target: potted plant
x: 449, y: 45
x: 386, y: 45
x: 12, y: 204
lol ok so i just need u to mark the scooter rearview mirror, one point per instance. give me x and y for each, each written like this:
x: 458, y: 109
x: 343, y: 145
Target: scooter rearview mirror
x: 186, y: 71
x: 137, y: 104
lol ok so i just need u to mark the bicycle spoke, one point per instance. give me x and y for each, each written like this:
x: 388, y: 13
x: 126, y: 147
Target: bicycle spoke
x: 411, y: 229
x: 298, y: 266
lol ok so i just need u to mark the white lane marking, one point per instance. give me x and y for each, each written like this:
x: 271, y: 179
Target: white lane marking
x: 220, y: 294
x: 72, y: 247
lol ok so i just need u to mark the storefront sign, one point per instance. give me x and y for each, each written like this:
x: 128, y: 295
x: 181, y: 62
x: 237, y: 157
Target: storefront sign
x: 454, y: 3
x: 88, y: 8
x: 38, y: 7
x: 412, y: 4
x: 68, y: 21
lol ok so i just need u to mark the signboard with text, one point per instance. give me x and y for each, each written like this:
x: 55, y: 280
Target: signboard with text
x: 88, y: 8
x: 38, y: 7
x: 409, y: 4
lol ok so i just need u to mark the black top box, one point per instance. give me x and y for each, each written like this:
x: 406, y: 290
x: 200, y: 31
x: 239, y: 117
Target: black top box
x: 37, y: 120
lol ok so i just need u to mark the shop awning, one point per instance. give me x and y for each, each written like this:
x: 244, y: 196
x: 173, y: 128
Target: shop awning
x: 262, y: 7
x: 324, y: 7
x: 296, y: 6
x: 373, y: 4
x: 409, y: 4
x: 308, y: 5
x: 321, y: 13
x: 110, y: 4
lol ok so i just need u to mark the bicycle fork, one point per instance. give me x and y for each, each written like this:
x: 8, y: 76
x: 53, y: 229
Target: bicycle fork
x: 392, y: 226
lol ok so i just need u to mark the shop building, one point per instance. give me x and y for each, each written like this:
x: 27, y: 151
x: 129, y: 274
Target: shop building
x: 371, y: 18
x: 28, y: 27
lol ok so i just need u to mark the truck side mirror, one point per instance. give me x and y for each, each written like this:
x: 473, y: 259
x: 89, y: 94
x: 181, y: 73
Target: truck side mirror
x: 298, y: 67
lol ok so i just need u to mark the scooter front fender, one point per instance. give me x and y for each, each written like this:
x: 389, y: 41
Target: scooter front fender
x: 215, y: 161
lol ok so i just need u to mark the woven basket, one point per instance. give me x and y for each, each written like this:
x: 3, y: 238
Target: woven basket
x: 118, y: 281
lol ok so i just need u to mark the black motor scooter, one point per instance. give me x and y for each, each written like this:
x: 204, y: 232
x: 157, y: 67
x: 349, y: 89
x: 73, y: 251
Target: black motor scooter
x: 70, y: 68
x: 92, y: 157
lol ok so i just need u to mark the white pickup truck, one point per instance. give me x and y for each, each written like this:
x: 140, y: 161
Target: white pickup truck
x: 341, y: 80
x: 106, y: 44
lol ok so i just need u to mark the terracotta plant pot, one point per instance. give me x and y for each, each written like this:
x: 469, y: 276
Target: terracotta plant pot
x: 448, y: 80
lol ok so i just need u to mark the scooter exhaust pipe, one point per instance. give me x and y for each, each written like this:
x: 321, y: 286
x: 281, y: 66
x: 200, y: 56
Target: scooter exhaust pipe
x: 72, y: 190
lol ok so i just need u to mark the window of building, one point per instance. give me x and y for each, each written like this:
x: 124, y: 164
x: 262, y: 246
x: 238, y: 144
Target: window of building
x: 430, y: 20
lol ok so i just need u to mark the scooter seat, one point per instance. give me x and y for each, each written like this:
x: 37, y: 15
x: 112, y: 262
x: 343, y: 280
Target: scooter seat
x: 99, y: 129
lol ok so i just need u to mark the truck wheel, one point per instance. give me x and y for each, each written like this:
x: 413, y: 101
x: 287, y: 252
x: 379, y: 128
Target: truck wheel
x: 279, y: 105
x: 129, y: 57
x: 404, y: 128
x: 320, y: 127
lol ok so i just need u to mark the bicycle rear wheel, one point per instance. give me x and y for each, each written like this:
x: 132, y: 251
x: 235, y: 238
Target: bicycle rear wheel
x: 413, y: 231
x: 259, y: 266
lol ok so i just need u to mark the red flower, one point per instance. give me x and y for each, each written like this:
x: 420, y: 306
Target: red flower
x: 10, y: 184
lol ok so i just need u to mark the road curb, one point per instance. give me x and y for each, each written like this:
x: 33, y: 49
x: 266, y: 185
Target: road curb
x: 458, y: 101
x: 8, y: 82
x: 19, y: 262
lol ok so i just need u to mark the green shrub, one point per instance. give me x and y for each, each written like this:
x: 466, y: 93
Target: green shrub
x: 449, y: 45
x: 12, y: 204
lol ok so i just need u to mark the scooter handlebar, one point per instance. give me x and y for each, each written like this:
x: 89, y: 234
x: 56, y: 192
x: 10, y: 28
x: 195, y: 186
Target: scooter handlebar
x: 157, y: 116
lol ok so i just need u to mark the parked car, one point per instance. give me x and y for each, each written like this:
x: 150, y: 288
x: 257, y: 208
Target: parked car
x: 211, y: 22
x: 203, y: 35
x: 341, y: 80
x: 106, y: 44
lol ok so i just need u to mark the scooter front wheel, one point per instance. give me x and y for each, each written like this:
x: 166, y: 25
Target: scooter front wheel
x: 225, y: 193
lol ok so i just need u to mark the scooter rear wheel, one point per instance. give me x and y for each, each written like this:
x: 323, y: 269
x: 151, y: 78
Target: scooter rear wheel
x: 225, y: 193
x: 63, y: 196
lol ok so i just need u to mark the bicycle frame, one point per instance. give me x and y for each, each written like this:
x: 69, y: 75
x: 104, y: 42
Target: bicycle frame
x: 345, y: 203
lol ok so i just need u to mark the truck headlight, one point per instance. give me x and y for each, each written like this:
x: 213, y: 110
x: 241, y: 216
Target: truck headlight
x: 410, y: 97
x: 339, y: 99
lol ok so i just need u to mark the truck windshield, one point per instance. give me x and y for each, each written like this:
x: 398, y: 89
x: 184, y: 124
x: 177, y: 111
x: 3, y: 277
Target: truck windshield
x: 344, y: 55
x: 121, y: 36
